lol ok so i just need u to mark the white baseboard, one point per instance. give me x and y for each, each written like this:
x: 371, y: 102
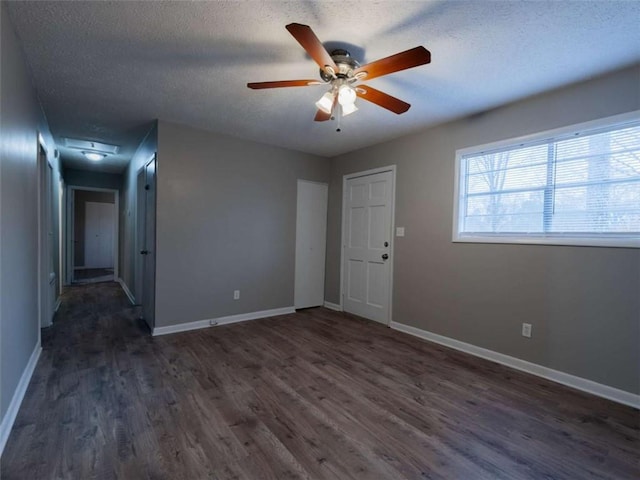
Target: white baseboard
x: 212, y: 322
x: 126, y: 291
x: 589, y: 386
x: 333, y: 306
x: 18, y: 396
x: 57, y: 305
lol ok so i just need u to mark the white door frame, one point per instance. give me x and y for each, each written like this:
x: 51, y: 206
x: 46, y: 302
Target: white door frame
x: 71, y: 230
x: 345, y: 178
x: 62, y: 226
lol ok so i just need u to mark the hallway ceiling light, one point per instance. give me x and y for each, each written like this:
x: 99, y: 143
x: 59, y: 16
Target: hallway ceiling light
x: 79, y: 144
x: 94, y: 156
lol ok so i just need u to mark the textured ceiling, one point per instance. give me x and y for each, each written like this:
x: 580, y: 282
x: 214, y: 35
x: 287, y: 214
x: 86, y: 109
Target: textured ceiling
x: 105, y: 70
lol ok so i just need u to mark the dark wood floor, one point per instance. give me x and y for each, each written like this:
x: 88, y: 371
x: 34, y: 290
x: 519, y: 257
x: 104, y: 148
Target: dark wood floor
x: 315, y: 395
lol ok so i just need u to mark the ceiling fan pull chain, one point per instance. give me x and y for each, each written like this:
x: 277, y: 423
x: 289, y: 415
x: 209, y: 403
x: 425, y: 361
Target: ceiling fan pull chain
x: 339, y: 115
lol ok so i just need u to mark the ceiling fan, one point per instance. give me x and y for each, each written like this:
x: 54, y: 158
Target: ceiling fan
x: 342, y: 72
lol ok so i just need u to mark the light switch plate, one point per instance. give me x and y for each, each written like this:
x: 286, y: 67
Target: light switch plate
x: 399, y: 231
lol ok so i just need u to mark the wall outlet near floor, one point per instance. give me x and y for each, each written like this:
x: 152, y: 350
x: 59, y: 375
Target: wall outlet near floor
x: 213, y: 323
x: 236, y: 294
x: 526, y: 330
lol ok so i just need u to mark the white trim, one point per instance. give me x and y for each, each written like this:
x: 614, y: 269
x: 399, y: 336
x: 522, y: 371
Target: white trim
x: 332, y: 306
x: 613, y: 242
x: 68, y: 237
x: 621, y: 241
x: 392, y: 242
x: 126, y: 291
x: 57, y: 306
x: 579, y: 383
x: 212, y: 322
x: 18, y: 396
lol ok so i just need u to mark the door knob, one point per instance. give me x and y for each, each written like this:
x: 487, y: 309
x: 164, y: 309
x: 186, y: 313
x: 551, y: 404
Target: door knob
x: 144, y: 252
x: 385, y: 256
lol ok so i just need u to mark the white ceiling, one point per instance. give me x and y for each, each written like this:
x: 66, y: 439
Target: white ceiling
x: 105, y: 70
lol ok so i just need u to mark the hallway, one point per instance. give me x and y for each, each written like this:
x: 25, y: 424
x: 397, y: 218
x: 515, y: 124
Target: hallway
x: 75, y: 410
x: 316, y: 395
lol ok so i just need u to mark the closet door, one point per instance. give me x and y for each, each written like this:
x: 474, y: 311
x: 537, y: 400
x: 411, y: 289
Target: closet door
x: 311, y: 236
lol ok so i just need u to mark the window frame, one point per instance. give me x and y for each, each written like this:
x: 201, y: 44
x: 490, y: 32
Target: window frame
x: 611, y: 240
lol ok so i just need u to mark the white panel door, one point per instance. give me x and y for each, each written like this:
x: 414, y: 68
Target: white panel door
x: 99, y: 227
x: 311, y: 234
x: 367, y: 238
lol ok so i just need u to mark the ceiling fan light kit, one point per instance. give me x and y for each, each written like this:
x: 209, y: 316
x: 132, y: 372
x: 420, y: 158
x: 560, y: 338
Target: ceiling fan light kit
x: 342, y: 72
x: 326, y: 102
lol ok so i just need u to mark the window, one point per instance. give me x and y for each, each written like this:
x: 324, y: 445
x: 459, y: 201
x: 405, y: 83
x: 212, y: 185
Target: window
x: 578, y: 185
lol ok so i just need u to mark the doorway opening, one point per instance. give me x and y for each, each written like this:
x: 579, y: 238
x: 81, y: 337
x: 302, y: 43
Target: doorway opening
x: 94, y: 234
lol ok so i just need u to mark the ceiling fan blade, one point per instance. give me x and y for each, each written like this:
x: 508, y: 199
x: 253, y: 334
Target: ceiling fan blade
x: 395, y: 63
x: 305, y: 37
x: 283, y: 83
x: 382, y: 99
x: 322, y: 116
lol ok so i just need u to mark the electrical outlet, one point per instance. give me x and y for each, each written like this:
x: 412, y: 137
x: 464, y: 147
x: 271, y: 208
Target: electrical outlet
x: 526, y: 330
x: 213, y: 323
x: 236, y: 294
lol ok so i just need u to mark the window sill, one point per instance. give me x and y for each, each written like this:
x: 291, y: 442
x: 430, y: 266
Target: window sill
x: 611, y: 242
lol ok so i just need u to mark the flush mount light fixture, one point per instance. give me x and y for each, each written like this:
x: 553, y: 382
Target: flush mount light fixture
x: 94, y: 156
x: 90, y: 145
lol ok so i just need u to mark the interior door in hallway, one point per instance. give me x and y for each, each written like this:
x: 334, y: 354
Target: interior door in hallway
x: 99, y: 235
x: 46, y: 232
x: 149, y: 250
x: 368, y: 208
x: 311, y: 233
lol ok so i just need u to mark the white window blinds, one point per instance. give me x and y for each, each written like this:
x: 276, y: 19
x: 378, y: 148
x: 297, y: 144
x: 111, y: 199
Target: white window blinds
x: 577, y: 184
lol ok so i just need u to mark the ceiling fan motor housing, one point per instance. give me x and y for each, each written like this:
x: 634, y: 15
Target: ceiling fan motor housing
x: 345, y: 63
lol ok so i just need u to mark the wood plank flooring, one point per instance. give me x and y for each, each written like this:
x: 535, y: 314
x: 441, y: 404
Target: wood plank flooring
x: 313, y: 395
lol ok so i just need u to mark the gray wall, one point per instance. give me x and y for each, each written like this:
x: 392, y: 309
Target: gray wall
x: 79, y: 208
x: 143, y: 154
x: 20, y: 120
x: 583, y: 303
x: 226, y: 214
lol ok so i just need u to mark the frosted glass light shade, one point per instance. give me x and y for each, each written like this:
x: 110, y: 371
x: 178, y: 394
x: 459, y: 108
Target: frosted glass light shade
x: 346, y: 95
x: 94, y: 156
x: 348, y: 109
x: 326, y: 103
